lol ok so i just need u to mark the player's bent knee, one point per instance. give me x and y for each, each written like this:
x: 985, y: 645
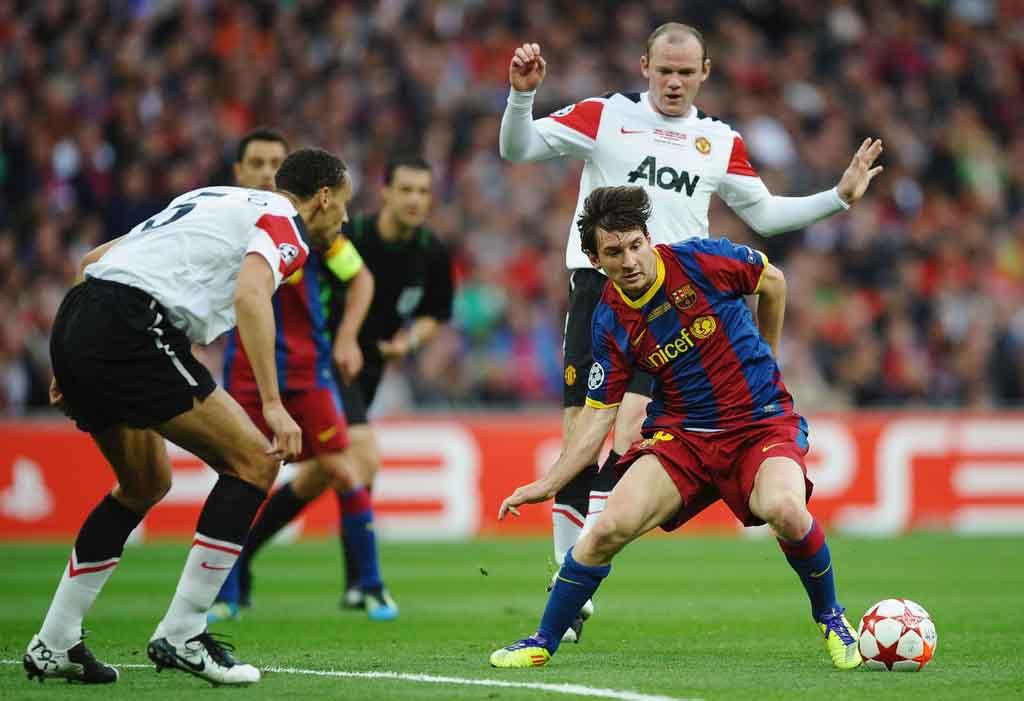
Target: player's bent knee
x: 787, y: 514
x: 140, y: 497
x: 609, y: 535
x: 259, y: 470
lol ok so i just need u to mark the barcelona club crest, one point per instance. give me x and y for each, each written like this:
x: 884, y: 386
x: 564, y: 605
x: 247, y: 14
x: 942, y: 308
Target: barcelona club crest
x: 684, y: 297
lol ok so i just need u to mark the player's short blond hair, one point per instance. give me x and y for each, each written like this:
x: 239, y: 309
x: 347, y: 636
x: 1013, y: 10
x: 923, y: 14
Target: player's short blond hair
x: 674, y: 29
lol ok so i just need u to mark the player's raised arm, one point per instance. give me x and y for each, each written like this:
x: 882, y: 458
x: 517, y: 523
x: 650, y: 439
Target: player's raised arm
x: 768, y: 214
x: 588, y: 434
x: 519, y: 139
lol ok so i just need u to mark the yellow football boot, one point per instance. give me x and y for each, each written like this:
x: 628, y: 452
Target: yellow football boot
x: 840, y: 639
x: 528, y: 652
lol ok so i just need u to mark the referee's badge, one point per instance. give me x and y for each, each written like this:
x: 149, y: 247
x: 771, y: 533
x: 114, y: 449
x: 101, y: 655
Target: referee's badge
x: 570, y: 375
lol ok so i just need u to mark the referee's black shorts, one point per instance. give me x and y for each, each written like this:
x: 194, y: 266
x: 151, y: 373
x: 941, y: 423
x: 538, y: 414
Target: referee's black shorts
x: 357, y: 396
x: 118, y: 360
x: 585, y: 288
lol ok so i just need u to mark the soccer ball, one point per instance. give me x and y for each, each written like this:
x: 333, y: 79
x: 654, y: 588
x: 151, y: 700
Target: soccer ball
x: 897, y: 635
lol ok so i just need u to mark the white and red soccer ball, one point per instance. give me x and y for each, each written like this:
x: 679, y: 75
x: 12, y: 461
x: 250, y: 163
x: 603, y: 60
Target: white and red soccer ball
x: 897, y: 635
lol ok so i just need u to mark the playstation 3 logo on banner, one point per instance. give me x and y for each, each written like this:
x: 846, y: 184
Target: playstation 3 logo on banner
x: 596, y: 377
x: 288, y: 252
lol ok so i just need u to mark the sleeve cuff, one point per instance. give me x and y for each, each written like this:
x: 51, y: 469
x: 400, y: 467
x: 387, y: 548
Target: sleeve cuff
x: 600, y: 405
x: 521, y: 100
x: 840, y: 202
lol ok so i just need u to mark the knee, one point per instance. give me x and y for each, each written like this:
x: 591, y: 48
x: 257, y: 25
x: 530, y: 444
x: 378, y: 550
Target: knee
x: 608, y: 536
x: 256, y: 468
x: 787, y: 514
x: 143, y: 495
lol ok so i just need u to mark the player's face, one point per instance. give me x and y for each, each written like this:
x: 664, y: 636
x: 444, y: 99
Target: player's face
x: 628, y: 259
x: 259, y: 164
x: 331, y: 214
x: 674, y: 74
x: 408, y: 196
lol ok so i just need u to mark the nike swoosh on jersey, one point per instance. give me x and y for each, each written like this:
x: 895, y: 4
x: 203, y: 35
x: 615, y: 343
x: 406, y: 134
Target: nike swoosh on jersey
x: 204, y: 565
x: 624, y: 130
x: 637, y: 339
x: 766, y: 448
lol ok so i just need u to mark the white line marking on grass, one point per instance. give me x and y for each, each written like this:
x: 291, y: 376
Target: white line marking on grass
x: 570, y: 689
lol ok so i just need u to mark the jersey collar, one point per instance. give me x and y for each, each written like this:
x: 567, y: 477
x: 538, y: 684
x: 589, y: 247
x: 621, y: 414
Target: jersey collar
x: 645, y: 100
x: 652, y: 290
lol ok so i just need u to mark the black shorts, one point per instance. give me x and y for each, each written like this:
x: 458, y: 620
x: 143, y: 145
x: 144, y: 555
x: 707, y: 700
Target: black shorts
x: 118, y: 360
x: 585, y: 288
x: 357, y: 396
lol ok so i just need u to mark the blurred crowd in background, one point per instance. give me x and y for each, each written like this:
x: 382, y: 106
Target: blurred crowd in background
x: 111, y: 108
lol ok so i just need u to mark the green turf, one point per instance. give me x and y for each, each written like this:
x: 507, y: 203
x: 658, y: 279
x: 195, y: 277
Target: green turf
x: 684, y: 617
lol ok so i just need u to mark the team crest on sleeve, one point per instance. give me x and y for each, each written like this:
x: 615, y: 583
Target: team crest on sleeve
x: 596, y: 378
x: 565, y: 111
x: 702, y: 145
x: 570, y: 375
x: 684, y: 297
x: 288, y: 252
x: 703, y: 326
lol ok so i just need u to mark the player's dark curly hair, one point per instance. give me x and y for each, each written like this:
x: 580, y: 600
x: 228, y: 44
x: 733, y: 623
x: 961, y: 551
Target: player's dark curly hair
x: 622, y: 208
x: 306, y: 170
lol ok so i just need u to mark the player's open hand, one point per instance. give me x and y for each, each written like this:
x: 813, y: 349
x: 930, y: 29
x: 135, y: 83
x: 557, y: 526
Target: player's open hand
x: 348, y: 356
x: 532, y: 493
x: 858, y: 175
x: 527, y: 69
x: 57, y: 399
x: 287, y: 443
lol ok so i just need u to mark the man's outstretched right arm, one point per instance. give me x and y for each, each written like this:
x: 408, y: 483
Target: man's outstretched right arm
x: 520, y: 140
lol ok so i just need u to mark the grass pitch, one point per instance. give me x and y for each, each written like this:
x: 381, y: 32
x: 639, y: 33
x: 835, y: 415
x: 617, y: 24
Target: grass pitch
x: 684, y: 617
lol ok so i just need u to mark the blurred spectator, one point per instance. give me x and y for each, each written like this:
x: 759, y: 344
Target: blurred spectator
x: 111, y: 107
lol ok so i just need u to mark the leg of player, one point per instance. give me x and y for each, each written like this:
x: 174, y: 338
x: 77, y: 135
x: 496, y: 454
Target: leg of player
x: 359, y: 534
x: 570, y: 509
x: 628, y: 420
x: 780, y: 498
x: 139, y: 459
x: 283, y: 506
x: 645, y: 498
x: 568, y: 516
x: 219, y: 432
x: 364, y: 461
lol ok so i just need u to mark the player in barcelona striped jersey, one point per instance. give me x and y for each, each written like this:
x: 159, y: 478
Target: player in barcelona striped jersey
x: 304, y: 356
x: 721, y: 424
x: 659, y: 140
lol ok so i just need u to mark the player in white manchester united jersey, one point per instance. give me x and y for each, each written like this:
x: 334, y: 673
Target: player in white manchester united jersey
x: 661, y: 141
x: 124, y: 371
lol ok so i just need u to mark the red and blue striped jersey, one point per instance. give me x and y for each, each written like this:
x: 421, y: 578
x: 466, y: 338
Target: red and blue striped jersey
x: 302, y: 351
x: 693, y: 331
